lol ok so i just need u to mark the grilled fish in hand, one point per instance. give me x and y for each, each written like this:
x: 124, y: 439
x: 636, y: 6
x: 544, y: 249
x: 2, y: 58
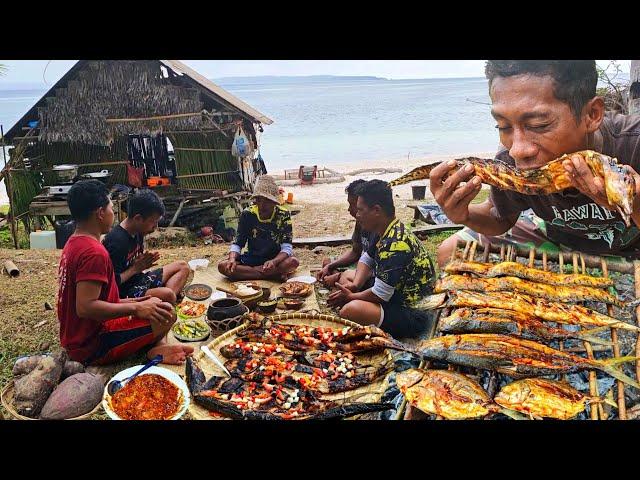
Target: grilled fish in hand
x: 515, y: 269
x: 551, y: 178
x: 514, y: 356
x: 542, y: 398
x: 508, y: 322
x: 554, y: 293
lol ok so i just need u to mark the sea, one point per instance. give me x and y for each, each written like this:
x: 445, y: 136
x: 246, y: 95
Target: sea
x: 328, y: 120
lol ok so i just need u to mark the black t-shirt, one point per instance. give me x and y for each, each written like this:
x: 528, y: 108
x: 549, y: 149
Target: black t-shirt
x: 573, y: 219
x: 264, y: 237
x: 363, y: 239
x: 123, y: 250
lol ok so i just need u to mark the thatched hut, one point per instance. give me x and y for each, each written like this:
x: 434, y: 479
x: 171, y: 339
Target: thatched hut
x: 157, y: 115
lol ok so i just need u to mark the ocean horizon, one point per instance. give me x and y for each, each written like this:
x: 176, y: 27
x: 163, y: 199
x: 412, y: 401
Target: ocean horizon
x: 327, y: 120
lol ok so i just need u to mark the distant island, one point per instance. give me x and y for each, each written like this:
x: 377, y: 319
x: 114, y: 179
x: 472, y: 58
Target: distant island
x: 297, y: 79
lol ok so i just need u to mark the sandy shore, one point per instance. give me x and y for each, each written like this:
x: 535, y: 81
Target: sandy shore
x: 333, y: 193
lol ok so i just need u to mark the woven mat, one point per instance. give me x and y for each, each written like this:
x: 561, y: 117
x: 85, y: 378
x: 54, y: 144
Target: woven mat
x: 212, y: 277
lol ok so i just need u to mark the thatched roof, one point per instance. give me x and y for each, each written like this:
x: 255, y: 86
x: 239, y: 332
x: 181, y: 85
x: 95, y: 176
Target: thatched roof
x: 97, y: 101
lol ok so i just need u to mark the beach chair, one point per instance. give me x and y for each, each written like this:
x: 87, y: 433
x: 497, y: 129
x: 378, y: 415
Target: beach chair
x: 307, y: 175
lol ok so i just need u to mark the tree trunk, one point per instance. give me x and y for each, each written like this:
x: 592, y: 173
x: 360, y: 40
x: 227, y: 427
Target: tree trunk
x: 634, y: 89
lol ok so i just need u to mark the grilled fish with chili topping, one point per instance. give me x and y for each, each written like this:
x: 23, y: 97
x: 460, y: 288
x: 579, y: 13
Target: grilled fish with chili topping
x: 551, y: 178
x: 544, y: 310
x: 514, y: 356
x: 241, y: 400
x: 515, y: 269
x: 542, y: 398
x: 554, y: 293
x: 508, y: 322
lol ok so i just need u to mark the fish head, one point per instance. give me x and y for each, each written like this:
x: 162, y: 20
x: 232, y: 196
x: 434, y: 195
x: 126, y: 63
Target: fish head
x: 514, y: 394
x: 620, y: 187
x: 408, y: 378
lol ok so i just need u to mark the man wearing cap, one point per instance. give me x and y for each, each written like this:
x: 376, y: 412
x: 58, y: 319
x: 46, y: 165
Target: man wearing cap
x: 267, y: 229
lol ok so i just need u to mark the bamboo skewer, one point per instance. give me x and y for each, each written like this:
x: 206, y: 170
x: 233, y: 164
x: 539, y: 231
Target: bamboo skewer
x: 622, y: 408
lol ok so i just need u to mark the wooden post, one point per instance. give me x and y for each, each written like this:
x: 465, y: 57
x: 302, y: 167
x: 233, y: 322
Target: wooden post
x: 7, y: 182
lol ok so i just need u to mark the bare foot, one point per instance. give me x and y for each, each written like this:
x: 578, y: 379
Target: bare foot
x: 171, y: 354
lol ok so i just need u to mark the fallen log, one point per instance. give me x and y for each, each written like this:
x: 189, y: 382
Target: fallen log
x: 11, y: 269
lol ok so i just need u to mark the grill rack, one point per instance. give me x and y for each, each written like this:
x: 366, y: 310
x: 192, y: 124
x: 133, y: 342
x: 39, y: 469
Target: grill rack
x: 580, y: 261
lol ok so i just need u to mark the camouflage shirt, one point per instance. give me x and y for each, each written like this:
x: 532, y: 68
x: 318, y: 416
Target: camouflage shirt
x: 264, y: 236
x: 402, y: 264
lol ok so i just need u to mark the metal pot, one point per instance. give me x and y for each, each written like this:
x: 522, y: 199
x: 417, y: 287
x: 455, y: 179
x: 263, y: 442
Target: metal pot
x: 223, y: 308
x: 66, y: 173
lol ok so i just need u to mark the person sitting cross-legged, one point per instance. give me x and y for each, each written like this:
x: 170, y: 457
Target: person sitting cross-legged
x: 399, y: 263
x: 267, y: 229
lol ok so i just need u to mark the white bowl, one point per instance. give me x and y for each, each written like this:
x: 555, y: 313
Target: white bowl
x: 163, y: 372
x: 198, y: 263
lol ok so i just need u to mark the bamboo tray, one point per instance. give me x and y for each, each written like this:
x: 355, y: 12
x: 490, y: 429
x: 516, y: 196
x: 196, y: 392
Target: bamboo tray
x: 369, y: 393
x: 579, y: 262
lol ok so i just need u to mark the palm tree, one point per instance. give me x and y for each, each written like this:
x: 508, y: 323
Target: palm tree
x: 3, y: 69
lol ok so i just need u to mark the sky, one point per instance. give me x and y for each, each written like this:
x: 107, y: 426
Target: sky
x: 43, y: 73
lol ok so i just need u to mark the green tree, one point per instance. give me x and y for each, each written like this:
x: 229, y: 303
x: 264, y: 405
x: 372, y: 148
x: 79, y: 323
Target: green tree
x: 3, y: 69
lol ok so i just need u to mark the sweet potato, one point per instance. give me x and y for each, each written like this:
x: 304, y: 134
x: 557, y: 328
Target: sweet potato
x: 25, y: 364
x: 71, y: 368
x: 75, y: 396
x: 33, y: 389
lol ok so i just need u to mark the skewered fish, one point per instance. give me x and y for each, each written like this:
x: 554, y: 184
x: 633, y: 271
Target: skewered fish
x: 515, y: 269
x: 553, y: 293
x: 551, y: 178
x: 514, y: 356
x: 509, y: 322
x: 448, y: 394
x: 544, y: 310
x: 542, y: 398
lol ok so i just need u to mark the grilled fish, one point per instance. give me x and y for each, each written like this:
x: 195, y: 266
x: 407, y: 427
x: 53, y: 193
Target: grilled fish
x: 551, y: 178
x: 554, y: 293
x: 448, y: 394
x: 240, y: 400
x: 542, y: 398
x: 509, y: 322
x: 514, y: 356
x: 515, y: 269
x: 544, y: 310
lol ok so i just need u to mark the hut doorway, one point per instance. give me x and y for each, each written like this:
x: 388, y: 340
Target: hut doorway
x: 153, y: 157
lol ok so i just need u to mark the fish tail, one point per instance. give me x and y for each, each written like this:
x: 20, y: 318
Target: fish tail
x: 589, y: 336
x: 608, y: 366
x: 419, y: 173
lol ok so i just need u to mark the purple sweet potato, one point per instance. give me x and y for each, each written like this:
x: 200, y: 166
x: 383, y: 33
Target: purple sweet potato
x: 75, y: 396
x: 71, y: 368
x: 32, y: 390
x: 26, y: 364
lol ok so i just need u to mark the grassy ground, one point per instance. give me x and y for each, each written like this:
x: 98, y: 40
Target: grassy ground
x: 27, y: 327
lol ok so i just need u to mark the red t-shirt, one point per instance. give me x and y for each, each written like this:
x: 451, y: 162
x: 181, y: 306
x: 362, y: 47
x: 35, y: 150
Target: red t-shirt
x: 83, y: 258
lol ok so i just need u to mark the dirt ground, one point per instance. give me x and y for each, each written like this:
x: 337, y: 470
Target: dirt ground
x: 28, y: 323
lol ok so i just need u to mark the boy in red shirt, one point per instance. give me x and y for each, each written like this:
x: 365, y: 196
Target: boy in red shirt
x: 96, y: 327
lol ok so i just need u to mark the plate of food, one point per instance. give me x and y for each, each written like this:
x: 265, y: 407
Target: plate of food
x: 296, y: 289
x: 188, y: 309
x: 198, y: 291
x: 157, y: 394
x: 192, y: 330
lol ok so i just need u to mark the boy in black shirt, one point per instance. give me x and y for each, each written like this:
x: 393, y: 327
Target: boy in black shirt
x: 131, y: 263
